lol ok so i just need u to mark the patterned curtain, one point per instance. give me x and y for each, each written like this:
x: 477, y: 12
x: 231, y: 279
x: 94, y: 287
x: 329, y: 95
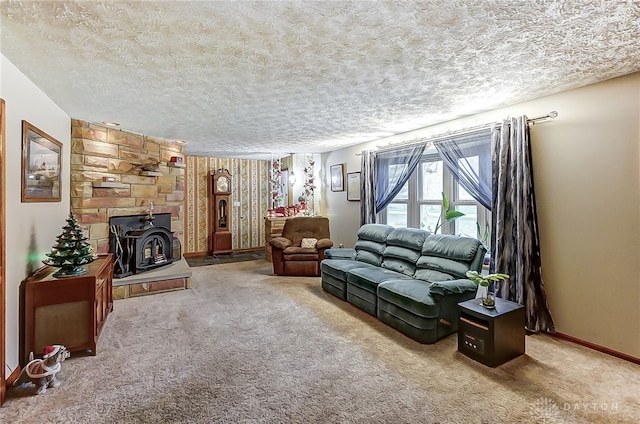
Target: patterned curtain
x: 514, y: 239
x: 367, y: 188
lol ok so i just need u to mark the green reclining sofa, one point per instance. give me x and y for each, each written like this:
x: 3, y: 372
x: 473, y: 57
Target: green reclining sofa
x: 408, y: 278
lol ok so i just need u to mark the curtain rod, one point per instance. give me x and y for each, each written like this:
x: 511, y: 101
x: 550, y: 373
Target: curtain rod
x: 551, y: 115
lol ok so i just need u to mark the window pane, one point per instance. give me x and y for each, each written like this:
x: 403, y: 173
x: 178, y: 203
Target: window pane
x: 466, y: 225
x: 397, y: 215
x: 394, y: 174
x: 429, y: 215
x: 474, y: 163
x: 431, y: 173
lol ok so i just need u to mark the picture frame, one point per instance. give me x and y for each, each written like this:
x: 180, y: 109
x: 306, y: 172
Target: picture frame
x: 353, y: 186
x: 41, y: 166
x: 337, y: 177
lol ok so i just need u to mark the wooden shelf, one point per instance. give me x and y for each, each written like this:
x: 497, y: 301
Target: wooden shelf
x: 176, y: 165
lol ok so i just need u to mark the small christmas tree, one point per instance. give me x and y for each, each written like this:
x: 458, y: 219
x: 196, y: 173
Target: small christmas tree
x: 71, y: 250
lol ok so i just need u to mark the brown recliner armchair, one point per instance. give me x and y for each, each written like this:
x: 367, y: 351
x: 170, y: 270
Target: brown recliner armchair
x: 287, y: 253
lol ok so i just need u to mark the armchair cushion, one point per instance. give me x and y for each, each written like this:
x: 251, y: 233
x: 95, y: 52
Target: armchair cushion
x: 309, y: 243
x: 297, y: 228
x: 324, y: 243
x: 280, y: 242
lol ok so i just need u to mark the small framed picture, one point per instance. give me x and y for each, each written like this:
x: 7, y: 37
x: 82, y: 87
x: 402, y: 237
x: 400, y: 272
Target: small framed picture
x: 353, y: 186
x: 41, y: 166
x: 337, y: 177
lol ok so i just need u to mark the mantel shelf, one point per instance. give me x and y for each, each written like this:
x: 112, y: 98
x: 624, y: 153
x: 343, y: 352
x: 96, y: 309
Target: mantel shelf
x: 109, y: 184
x: 151, y: 174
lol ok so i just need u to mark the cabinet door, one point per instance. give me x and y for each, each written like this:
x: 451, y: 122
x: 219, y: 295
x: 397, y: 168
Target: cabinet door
x: 101, y: 301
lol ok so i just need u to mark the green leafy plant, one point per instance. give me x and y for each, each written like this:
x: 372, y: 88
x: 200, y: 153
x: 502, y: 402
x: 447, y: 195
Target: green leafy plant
x: 485, y: 280
x: 488, y: 298
x: 449, y: 214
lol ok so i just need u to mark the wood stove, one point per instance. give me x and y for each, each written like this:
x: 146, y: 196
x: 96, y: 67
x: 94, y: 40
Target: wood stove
x: 140, y: 243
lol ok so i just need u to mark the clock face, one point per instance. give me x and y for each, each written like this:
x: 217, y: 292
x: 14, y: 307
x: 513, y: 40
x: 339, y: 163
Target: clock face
x: 223, y: 184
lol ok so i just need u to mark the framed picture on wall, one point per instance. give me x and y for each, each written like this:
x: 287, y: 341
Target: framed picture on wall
x: 337, y: 177
x: 41, y: 166
x: 353, y: 186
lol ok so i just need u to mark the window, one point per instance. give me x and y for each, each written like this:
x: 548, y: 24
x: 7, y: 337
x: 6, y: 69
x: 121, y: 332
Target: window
x: 419, y: 202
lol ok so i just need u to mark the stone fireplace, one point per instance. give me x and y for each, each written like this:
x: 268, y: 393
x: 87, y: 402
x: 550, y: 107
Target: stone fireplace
x: 115, y: 173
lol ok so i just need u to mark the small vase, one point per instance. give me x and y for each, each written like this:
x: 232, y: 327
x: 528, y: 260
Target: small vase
x: 489, y: 298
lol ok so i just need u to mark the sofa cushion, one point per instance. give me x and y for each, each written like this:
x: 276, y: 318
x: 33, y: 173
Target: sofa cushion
x: 368, y: 257
x: 409, y: 295
x: 441, y: 268
x: 339, y: 268
x: 448, y: 257
x: 411, y: 238
x: 430, y: 275
x: 369, y: 251
x: 451, y: 247
x: 374, y: 232
x: 368, y: 278
x: 370, y: 246
x: 371, y: 243
x: 403, y: 250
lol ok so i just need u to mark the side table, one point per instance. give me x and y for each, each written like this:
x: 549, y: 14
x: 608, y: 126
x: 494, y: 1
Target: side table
x: 491, y: 336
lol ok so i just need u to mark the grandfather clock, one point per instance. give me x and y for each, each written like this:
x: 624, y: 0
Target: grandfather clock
x: 220, y: 207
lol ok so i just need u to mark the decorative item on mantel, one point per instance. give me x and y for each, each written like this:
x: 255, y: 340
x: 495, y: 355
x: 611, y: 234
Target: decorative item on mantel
x: 71, y: 251
x: 489, y: 281
x: 176, y: 162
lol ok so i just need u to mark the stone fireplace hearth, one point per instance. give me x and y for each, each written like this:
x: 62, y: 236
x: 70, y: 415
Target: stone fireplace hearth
x: 175, y: 276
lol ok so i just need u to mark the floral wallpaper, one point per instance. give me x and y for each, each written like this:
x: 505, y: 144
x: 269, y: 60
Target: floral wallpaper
x: 250, y: 199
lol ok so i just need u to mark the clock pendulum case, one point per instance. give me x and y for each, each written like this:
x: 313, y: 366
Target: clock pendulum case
x: 220, y: 212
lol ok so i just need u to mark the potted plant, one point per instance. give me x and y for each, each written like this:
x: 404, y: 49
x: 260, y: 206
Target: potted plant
x: 449, y: 214
x: 488, y: 299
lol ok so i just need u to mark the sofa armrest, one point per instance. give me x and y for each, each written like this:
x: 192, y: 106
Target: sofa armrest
x: 324, y: 243
x: 340, y: 253
x: 280, y: 242
x: 444, y: 288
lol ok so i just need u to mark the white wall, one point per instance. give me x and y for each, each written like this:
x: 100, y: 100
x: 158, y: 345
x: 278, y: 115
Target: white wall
x: 39, y: 223
x: 587, y: 183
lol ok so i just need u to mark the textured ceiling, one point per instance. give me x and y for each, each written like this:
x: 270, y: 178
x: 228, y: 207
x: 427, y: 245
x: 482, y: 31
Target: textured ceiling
x: 248, y: 79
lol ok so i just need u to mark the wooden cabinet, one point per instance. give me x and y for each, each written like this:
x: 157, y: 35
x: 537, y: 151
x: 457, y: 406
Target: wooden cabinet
x: 70, y: 311
x: 491, y: 336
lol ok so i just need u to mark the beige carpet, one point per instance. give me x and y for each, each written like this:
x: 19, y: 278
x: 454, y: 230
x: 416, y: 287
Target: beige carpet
x: 244, y: 346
